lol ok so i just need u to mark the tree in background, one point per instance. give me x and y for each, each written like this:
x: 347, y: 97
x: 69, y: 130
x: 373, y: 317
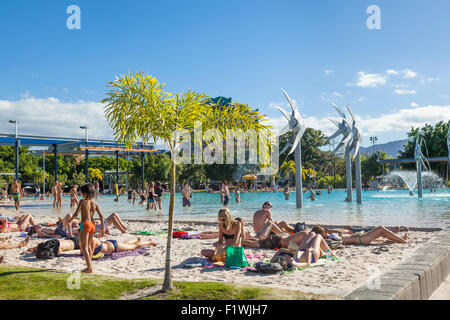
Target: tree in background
x: 371, y: 167
x: 95, y: 174
x: 435, y: 142
x: 287, y: 169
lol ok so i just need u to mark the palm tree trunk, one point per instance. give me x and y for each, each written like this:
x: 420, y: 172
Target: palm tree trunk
x: 167, y: 284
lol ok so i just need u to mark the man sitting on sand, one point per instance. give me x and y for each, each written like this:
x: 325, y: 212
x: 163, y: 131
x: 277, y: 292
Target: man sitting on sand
x: 264, y: 225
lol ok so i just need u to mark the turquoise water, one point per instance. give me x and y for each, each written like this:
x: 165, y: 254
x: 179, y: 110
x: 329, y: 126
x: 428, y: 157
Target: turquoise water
x: 391, y: 207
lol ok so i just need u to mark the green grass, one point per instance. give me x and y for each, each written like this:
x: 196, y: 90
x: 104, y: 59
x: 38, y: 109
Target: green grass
x: 37, y: 284
x: 21, y: 283
x: 184, y: 290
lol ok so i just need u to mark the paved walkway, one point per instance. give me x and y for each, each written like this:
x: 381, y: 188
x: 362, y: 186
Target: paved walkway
x: 443, y: 292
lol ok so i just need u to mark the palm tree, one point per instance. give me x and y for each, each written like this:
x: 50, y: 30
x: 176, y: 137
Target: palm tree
x: 287, y: 168
x: 138, y: 107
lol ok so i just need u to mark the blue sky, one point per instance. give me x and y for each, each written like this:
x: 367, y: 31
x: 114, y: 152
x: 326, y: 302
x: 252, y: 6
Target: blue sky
x: 318, y: 51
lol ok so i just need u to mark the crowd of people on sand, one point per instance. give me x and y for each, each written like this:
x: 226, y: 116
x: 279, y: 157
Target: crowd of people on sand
x: 70, y: 233
x: 297, y: 245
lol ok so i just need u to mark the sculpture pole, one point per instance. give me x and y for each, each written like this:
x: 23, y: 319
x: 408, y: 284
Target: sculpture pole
x: 298, y: 176
x: 358, y: 178
x: 348, y: 171
x: 419, y: 168
x: 297, y: 127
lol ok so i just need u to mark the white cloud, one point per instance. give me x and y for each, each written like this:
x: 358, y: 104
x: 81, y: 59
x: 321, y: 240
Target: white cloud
x: 398, y: 121
x: 392, y: 72
x: 365, y: 80
x: 404, y: 91
x: 328, y: 72
x: 52, y: 117
x: 337, y: 94
x: 408, y: 73
x: 414, y: 105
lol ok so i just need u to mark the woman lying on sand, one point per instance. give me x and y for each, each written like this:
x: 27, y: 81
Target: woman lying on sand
x: 310, y: 250
x: 107, y: 246
x: 20, y: 225
x: 367, y: 237
x: 63, y: 229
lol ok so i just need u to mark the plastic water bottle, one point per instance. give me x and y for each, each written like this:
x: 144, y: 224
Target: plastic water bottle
x: 329, y: 256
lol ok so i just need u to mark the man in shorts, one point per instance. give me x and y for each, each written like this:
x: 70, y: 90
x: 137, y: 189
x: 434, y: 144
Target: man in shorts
x: 16, y: 191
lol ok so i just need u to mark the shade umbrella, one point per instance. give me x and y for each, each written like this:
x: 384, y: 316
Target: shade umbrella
x: 251, y: 177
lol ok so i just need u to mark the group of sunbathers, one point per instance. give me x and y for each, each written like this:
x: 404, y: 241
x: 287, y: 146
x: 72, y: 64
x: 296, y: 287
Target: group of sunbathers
x: 309, y: 245
x: 74, y: 234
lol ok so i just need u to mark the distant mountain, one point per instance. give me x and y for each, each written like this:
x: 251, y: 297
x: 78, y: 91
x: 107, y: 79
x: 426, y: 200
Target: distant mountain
x: 391, y: 148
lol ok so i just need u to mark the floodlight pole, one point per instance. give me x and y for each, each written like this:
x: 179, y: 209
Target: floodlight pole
x: 43, y: 168
x: 86, y: 153
x: 17, y: 144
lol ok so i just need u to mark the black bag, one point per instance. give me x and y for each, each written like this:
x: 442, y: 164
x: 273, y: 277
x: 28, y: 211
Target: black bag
x: 268, y: 268
x: 48, y: 249
x: 299, y: 226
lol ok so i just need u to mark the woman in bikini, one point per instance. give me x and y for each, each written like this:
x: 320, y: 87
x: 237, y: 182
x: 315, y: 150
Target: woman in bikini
x: 110, y: 246
x: 366, y: 237
x: 21, y: 224
x: 230, y: 233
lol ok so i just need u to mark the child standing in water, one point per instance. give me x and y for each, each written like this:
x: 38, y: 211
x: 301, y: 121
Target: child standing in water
x: 87, y: 225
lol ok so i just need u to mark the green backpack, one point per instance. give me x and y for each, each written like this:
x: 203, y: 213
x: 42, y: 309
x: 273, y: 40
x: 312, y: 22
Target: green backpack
x: 235, y: 257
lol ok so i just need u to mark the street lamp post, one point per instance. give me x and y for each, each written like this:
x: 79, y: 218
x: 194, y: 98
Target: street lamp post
x: 373, y: 140
x: 17, y: 149
x: 86, y: 153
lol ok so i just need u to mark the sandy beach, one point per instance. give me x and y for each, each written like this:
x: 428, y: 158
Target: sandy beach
x: 356, y: 264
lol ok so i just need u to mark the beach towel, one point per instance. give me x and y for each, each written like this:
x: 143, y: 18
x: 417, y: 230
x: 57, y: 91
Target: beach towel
x: 113, y: 256
x: 188, y: 236
x: 154, y: 233
x: 322, y: 262
x: 179, y: 234
x: 235, y: 257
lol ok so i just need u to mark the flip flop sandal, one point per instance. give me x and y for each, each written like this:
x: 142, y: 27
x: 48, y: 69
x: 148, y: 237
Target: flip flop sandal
x: 376, y: 251
x: 384, y: 249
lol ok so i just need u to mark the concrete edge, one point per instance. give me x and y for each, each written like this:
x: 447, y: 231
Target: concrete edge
x: 416, y: 278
